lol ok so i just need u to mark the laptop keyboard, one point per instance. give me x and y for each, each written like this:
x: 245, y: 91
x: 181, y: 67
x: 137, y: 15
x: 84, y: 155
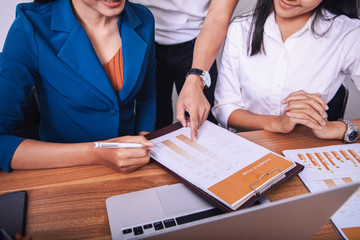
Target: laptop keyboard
x: 168, y: 223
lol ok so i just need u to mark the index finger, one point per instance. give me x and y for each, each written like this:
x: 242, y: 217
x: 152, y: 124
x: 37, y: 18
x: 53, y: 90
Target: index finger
x: 140, y: 139
x: 194, y: 125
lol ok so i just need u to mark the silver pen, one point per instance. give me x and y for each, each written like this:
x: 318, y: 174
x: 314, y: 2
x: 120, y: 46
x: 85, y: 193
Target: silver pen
x: 117, y: 145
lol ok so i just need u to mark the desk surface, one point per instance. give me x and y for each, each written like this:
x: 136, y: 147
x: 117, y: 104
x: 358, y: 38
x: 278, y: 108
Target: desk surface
x: 69, y: 203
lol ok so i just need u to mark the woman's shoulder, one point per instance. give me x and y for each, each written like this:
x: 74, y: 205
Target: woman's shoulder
x: 347, y: 23
x: 28, y: 17
x: 243, y: 19
x: 32, y: 8
x: 28, y: 14
x: 241, y: 24
x: 342, y: 23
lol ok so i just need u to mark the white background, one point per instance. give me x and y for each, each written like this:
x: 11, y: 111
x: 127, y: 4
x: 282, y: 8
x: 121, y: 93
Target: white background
x: 7, y: 14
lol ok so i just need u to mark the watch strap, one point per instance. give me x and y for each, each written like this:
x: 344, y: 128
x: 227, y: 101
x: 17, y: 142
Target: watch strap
x: 195, y: 71
x: 201, y: 73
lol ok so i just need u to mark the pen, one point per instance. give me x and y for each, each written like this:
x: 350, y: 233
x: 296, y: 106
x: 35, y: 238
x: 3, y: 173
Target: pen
x: 117, y: 145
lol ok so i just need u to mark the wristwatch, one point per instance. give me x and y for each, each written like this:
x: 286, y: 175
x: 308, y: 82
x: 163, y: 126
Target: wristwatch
x: 352, y: 131
x: 204, y: 75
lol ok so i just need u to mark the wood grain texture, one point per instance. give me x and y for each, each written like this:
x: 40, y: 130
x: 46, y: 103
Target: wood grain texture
x: 69, y: 203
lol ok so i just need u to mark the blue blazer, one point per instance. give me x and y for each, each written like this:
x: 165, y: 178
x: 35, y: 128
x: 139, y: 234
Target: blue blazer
x: 48, y: 47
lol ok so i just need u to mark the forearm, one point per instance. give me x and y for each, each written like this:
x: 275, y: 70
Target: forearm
x: 334, y: 129
x: 32, y: 154
x: 207, y: 44
x: 213, y: 33
x: 247, y: 121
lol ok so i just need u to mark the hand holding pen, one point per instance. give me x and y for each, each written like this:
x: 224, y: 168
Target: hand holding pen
x: 125, y: 154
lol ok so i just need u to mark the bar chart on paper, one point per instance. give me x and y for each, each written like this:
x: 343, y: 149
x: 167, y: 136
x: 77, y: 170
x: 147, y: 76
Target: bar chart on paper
x: 332, y: 166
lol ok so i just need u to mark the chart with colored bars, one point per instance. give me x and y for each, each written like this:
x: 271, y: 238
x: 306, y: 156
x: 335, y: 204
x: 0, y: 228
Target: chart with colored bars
x: 330, y: 161
x: 331, y: 166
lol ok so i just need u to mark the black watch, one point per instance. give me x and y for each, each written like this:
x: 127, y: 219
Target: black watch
x: 204, y: 75
x: 352, y: 131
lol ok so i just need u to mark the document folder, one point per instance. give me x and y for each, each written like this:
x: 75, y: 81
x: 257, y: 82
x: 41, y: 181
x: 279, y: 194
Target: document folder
x: 242, y: 181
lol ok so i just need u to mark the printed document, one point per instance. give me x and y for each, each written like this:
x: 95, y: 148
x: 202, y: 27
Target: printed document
x: 331, y: 166
x: 221, y: 163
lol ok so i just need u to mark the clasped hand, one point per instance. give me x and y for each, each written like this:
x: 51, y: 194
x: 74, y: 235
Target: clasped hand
x: 308, y: 109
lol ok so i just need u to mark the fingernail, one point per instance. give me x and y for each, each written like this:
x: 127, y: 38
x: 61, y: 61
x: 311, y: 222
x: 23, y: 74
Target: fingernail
x: 323, y: 123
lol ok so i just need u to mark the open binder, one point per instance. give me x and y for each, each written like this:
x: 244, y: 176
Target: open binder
x: 240, y: 185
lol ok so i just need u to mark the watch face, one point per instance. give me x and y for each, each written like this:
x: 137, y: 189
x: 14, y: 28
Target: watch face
x: 207, y: 78
x: 353, y: 136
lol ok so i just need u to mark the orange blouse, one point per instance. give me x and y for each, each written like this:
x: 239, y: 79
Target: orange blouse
x: 114, y: 70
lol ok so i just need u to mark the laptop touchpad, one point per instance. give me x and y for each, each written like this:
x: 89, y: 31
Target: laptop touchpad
x: 178, y: 199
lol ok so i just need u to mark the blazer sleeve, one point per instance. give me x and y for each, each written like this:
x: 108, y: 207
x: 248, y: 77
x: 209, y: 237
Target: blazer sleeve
x: 18, y: 64
x: 146, y: 99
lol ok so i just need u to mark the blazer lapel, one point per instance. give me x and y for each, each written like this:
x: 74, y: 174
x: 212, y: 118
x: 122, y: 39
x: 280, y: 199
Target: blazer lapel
x: 134, y: 51
x: 78, y: 53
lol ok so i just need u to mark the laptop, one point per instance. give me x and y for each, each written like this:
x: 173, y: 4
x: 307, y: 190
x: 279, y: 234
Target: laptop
x: 175, y: 212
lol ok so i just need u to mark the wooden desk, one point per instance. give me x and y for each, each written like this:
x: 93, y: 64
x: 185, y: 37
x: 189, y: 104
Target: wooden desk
x: 69, y: 203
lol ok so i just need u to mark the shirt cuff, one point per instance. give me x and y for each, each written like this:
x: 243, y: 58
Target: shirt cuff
x: 222, y: 113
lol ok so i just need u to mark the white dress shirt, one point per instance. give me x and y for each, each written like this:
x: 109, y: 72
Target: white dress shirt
x: 304, y: 61
x: 176, y: 21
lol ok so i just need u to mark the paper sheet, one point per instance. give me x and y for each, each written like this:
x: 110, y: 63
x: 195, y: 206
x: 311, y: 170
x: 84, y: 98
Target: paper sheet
x: 330, y: 166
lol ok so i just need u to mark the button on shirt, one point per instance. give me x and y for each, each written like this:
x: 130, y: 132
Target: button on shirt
x: 305, y: 61
x: 176, y: 21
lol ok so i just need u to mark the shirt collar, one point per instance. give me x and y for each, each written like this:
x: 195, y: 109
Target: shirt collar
x: 271, y: 28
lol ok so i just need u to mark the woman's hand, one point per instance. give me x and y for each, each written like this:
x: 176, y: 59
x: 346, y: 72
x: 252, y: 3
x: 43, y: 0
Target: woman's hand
x: 308, y: 109
x: 331, y: 130
x: 302, y: 108
x: 125, y: 160
x: 281, y: 124
x: 192, y: 100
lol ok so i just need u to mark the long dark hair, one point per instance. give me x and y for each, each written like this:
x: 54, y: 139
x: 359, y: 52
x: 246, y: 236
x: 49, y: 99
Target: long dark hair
x: 264, y: 8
